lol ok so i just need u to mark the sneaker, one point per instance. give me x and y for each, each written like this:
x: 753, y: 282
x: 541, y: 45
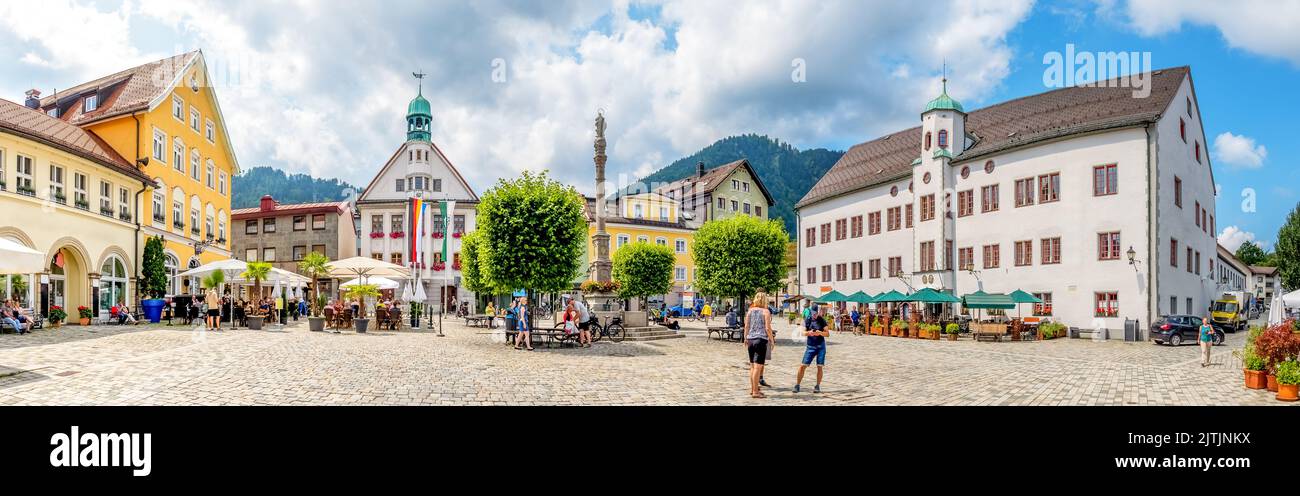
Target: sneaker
x: 817, y: 388
x: 796, y: 388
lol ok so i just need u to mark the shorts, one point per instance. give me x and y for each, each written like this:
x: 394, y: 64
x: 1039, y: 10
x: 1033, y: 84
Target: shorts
x: 583, y: 326
x: 818, y: 351
x: 757, y: 351
x: 214, y: 313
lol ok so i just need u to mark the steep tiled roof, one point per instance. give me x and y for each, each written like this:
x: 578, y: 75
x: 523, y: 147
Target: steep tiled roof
x: 998, y: 128
x: 127, y: 91
x: 713, y: 178
x: 1261, y: 270
x: 34, y: 125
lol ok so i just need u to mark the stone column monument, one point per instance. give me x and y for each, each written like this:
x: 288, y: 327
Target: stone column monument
x: 601, y: 265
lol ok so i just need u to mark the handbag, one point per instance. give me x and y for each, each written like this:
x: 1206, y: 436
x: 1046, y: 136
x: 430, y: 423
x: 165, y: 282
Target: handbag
x: 570, y: 327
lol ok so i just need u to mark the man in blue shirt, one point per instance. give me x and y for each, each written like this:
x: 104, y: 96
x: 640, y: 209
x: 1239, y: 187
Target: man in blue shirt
x: 816, y: 332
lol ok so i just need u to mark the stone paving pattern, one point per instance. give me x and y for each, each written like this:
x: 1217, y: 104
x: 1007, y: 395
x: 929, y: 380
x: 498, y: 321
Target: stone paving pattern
x: 155, y: 365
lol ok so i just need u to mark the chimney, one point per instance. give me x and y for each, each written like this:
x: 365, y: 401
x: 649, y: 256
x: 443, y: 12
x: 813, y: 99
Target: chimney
x: 699, y: 169
x: 268, y: 204
x: 33, y: 99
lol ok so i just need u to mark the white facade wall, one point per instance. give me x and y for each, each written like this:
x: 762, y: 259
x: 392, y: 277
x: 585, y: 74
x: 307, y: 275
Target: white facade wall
x: 1147, y: 160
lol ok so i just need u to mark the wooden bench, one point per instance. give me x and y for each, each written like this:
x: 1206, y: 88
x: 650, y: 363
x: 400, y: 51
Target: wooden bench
x: 991, y: 332
x: 479, y: 321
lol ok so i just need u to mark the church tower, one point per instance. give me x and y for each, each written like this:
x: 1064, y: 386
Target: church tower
x: 419, y: 118
x: 943, y: 136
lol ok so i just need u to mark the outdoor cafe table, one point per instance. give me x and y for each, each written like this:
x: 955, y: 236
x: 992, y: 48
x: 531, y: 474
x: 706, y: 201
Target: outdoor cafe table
x: 480, y: 320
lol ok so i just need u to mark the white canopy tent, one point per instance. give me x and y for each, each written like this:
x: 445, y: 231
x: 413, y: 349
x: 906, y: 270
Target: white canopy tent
x: 1292, y: 299
x: 379, y: 281
x: 18, y: 259
x: 365, y: 268
x: 231, y: 267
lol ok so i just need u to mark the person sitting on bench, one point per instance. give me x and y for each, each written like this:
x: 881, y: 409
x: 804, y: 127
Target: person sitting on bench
x: 11, y: 317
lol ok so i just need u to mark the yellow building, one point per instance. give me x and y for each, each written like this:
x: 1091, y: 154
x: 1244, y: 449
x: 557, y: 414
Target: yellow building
x: 164, y: 117
x: 650, y: 218
x: 65, y: 193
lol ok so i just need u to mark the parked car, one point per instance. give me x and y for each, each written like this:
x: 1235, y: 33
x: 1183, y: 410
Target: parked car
x: 1178, y: 329
x: 680, y: 311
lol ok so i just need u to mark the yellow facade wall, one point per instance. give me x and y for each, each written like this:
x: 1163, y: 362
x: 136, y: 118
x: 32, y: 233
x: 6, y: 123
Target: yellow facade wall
x: 133, y: 140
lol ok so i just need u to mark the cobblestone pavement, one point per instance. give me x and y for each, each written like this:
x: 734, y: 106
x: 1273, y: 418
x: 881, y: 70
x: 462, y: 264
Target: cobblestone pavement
x: 155, y: 365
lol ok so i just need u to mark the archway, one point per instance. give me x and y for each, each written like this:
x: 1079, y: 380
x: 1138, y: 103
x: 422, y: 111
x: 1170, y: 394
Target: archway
x: 17, y: 286
x: 69, y: 280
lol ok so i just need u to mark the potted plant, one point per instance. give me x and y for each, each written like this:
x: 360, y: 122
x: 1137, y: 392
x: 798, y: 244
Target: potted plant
x: 417, y: 311
x: 896, y: 328
x: 257, y: 272
x: 57, y: 315
x: 1276, y: 345
x: 1288, y: 380
x: 952, y: 329
x: 84, y: 314
x: 315, y: 265
x: 154, y: 281
x: 876, y: 328
x: 360, y: 292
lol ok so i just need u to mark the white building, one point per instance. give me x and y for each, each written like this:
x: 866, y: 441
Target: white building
x: 1233, y: 274
x: 1265, y: 282
x: 1100, y: 203
x: 418, y: 169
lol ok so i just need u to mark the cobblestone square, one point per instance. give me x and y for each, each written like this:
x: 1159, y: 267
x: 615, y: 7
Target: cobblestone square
x: 153, y: 365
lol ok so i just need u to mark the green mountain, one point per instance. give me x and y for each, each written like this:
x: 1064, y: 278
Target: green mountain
x: 787, y: 172
x: 286, y: 188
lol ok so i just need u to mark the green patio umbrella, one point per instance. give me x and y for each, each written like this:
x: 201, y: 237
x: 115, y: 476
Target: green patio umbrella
x: 980, y: 299
x: 1019, y: 296
x: 859, y: 297
x: 929, y: 295
x: 893, y: 296
x: 832, y: 297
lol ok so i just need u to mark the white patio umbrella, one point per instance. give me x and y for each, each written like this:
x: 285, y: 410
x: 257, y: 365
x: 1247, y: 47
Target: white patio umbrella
x: 1292, y: 299
x: 1276, y: 310
x: 378, y: 281
x: 408, y: 292
x: 232, y: 267
x: 366, y: 268
x: 419, y: 292
x: 18, y: 259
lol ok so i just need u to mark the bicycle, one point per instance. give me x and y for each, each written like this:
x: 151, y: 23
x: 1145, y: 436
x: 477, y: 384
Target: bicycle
x: 614, y: 330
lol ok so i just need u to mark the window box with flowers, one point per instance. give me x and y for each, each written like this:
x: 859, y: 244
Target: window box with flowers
x: 26, y: 190
x: 438, y: 235
x: 376, y: 235
x: 124, y: 215
x: 84, y: 313
x: 455, y: 265
x: 457, y: 234
x: 439, y: 266
x: 397, y: 234
x: 61, y: 198
x: 105, y: 211
x: 82, y: 204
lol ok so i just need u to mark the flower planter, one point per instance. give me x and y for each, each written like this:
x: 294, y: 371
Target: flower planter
x: 952, y: 337
x: 1272, y: 383
x: 316, y: 324
x: 911, y: 330
x: 84, y: 322
x: 876, y: 330
x: 1287, y: 392
x: 153, y: 309
x: 1255, y: 379
x: 362, y: 325
x: 255, y: 322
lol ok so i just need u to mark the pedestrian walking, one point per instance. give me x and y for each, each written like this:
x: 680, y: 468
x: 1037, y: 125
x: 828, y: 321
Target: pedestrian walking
x: 213, y: 301
x: 816, y: 348
x: 758, y: 336
x: 1207, y: 341
x: 521, y: 316
x: 706, y: 312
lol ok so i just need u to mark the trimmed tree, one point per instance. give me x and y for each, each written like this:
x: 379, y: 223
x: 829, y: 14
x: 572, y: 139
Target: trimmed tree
x: 643, y: 270
x: 739, y: 256
x: 1287, y: 251
x: 470, y: 255
x: 533, y: 233
x: 154, y: 280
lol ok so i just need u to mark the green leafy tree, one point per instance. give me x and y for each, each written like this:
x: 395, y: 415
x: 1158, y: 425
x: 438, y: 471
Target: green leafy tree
x: 643, y: 270
x: 740, y: 255
x: 1287, y: 250
x: 470, y: 257
x: 154, y: 282
x: 1251, y: 254
x: 257, y: 272
x: 533, y: 233
x: 315, y: 265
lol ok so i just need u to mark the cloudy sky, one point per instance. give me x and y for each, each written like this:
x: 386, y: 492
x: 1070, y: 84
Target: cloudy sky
x: 322, y: 87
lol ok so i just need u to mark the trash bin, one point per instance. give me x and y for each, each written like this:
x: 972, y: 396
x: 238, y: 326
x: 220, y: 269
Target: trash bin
x: 1131, y: 331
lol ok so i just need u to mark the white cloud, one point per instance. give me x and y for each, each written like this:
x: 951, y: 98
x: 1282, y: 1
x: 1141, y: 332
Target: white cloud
x: 1239, y: 151
x: 1233, y: 237
x: 66, y: 35
x: 323, y: 88
x: 1264, y: 27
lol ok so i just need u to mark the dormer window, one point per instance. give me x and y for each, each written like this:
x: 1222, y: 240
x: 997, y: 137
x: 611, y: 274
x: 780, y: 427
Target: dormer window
x: 943, y: 138
x: 927, y: 141
x: 92, y: 103
x: 54, y: 112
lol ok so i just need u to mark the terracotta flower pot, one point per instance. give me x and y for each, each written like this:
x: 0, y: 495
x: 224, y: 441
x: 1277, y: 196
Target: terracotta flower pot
x: 1272, y: 383
x: 84, y: 322
x: 952, y: 337
x: 1255, y: 379
x: 1287, y: 392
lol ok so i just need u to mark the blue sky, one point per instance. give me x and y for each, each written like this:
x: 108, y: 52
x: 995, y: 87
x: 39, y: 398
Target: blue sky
x: 672, y: 75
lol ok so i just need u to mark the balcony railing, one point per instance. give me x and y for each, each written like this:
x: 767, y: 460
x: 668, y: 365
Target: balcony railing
x: 124, y: 215
x: 159, y: 218
x: 194, y: 230
x: 178, y: 224
x: 106, y: 212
